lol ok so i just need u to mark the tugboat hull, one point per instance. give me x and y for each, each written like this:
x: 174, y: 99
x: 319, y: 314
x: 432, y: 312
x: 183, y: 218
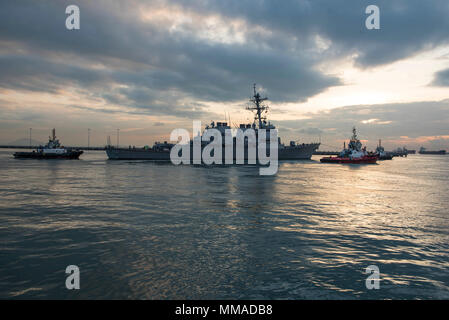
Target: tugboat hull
x: 386, y: 157
x: 364, y: 160
x: 40, y: 155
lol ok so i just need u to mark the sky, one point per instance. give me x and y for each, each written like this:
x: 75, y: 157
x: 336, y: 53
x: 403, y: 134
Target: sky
x: 148, y: 67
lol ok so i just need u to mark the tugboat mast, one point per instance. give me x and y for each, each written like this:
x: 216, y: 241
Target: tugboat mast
x: 354, y: 133
x: 259, y: 108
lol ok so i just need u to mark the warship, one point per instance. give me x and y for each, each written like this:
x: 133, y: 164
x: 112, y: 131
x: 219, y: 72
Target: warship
x: 161, y: 151
x: 52, y: 150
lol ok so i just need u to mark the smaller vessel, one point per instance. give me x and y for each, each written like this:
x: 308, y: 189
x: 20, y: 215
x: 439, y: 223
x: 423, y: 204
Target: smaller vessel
x: 52, y: 150
x: 399, y: 152
x: 424, y: 151
x: 354, y: 154
x: 381, y: 153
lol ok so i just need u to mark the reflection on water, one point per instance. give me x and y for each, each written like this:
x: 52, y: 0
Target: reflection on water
x: 157, y: 231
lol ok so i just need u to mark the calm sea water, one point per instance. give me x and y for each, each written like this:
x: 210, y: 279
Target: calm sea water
x: 145, y: 230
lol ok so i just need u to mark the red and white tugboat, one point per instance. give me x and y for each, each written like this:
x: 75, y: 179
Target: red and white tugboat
x: 353, y: 154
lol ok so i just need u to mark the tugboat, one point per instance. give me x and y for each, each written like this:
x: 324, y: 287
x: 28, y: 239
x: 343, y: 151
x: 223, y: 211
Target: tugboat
x: 52, y: 150
x: 381, y: 154
x: 354, y: 154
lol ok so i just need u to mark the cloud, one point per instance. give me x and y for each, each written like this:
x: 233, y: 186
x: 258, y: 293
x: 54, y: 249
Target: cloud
x: 391, y: 121
x: 311, y: 131
x: 209, y: 51
x: 441, y: 78
x: 37, y: 74
x: 151, y: 57
x: 375, y: 121
x: 145, y: 110
x: 407, y: 26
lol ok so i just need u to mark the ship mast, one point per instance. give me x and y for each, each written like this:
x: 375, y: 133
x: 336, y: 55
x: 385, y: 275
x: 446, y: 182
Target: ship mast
x: 258, y: 107
x: 354, y: 134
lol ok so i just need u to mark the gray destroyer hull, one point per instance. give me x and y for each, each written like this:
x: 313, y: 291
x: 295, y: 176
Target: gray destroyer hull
x: 298, y: 152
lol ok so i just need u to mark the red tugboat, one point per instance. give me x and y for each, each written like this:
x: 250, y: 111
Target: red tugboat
x: 353, y: 154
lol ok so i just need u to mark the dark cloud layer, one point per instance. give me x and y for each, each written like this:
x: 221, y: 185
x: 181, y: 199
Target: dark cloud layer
x: 441, y: 78
x: 149, y: 58
x: 407, y: 26
x: 147, y: 68
x: 36, y: 74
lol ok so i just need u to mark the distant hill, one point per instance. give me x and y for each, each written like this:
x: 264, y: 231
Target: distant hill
x: 25, y: 142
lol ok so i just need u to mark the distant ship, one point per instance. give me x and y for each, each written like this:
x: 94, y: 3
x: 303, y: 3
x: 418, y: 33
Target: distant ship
x: 354, y: 154
x: 381, y: 153
x: 424, y: 151
x: 399, y: 152
x: 52, y: 150
x: 161, y: 151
